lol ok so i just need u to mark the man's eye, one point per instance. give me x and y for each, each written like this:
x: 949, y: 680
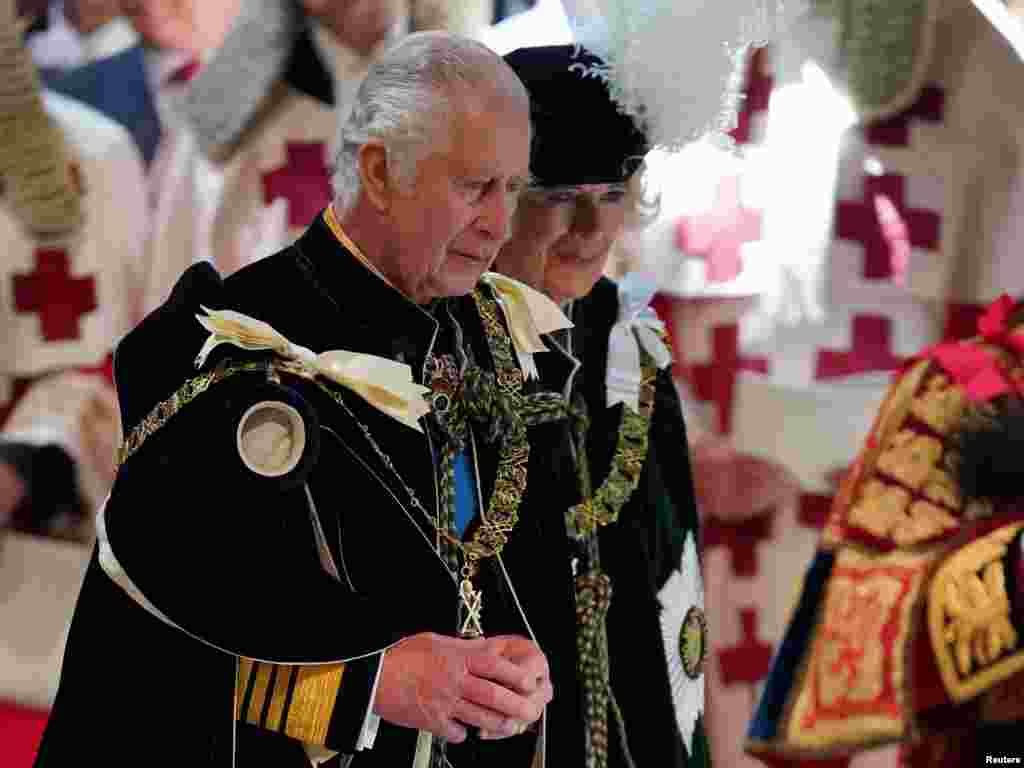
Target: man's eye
x: 477, y: 189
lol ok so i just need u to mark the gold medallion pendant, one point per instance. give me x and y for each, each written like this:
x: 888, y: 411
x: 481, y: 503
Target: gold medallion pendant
x: 693, y: 642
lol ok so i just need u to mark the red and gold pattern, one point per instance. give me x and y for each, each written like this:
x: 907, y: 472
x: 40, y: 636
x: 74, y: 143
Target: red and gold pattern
x: 901, y: 588
x: 902, y: 494
x: 975, y: 643
x: 854, y: 681
x: 890, y: 414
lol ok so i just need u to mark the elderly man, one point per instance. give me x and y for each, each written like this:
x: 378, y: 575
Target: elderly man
x: 289, y: 538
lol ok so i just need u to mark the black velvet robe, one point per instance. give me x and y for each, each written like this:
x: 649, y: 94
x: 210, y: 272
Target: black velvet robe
x: 642, y: 549
x: 230, y: 557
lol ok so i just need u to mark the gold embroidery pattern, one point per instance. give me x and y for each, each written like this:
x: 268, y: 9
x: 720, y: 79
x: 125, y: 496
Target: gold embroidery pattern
x: 851, y: 689
x: 972, y: 636
x: 907, y: 496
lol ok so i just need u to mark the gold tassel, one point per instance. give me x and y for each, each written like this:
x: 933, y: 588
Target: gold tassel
x: 35, y: 162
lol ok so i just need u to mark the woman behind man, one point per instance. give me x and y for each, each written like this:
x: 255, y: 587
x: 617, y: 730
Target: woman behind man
x: 635, y: 530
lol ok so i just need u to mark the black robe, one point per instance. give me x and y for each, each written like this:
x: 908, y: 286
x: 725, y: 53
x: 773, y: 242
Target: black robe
x: 641, y: 550
x: 230, y: 557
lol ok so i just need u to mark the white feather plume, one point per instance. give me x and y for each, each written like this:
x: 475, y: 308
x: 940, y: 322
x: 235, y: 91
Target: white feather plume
x: 676, y: 66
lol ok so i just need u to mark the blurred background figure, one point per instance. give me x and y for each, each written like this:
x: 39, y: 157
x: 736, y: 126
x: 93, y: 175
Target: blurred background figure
x: 278, y: 157
x: 73, y: 225
x: 109, y: 71
x: 72, y: 286
x: 800, y: 277
x: 177, y: 37
x: 135, y: 62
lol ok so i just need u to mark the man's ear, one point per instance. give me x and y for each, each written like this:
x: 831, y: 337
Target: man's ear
x: 375, y: 176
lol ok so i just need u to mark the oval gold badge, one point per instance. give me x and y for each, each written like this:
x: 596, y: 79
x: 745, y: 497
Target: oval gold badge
x: 693, y: 642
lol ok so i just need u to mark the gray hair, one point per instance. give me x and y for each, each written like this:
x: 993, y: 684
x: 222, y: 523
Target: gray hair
x: 404, y: 102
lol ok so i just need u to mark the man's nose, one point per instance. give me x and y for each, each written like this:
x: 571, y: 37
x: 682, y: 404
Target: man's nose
x: 496, y: 218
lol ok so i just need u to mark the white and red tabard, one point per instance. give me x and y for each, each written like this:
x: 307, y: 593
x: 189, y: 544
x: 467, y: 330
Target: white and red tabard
x: 65, y: 303
x: 279, y: 178
x: 833, y: 252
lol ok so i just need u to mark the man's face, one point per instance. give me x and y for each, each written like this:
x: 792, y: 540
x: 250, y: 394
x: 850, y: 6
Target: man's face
x: 561, y: 238
x: 450, y: 226
x: 167, y: 24
x: 86, y: 16
x: 361, y: 25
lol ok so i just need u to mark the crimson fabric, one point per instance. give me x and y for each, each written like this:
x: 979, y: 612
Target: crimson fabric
x: 21, y: 729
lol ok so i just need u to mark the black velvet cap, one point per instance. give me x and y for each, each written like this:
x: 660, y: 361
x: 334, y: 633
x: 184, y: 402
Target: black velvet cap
x: 579, y: 134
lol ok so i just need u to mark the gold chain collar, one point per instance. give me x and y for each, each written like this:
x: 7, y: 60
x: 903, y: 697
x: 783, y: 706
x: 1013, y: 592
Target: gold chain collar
x: 602, y: 507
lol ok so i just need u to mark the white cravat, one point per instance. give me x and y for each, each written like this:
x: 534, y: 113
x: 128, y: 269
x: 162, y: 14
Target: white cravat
x: 637, y: 326
x: 59, y: 46
x: 108, y: 40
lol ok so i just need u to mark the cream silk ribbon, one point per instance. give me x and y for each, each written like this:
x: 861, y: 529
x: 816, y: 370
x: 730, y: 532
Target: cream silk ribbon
x: 637, y: 326
x: 529, y: 313
x: 386, y: 385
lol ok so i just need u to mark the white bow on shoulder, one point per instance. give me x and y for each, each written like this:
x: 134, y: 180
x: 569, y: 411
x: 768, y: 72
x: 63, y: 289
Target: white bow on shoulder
x: 385, y: 384
x: 529, y: 313
x: 637, y: 326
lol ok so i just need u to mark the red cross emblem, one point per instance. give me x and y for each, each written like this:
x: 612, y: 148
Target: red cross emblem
x: 750, y: 660
x: 716, y: 379
x: 304, y: 181
x: 885, y: 226
x: 718, y: 235
x: 741, y: 539
x: 871, y: 350
x: 59, y: 299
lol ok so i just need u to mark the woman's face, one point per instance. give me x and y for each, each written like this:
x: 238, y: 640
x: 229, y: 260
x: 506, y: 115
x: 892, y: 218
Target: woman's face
x: 562, y: 236
x: 167, y: 24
